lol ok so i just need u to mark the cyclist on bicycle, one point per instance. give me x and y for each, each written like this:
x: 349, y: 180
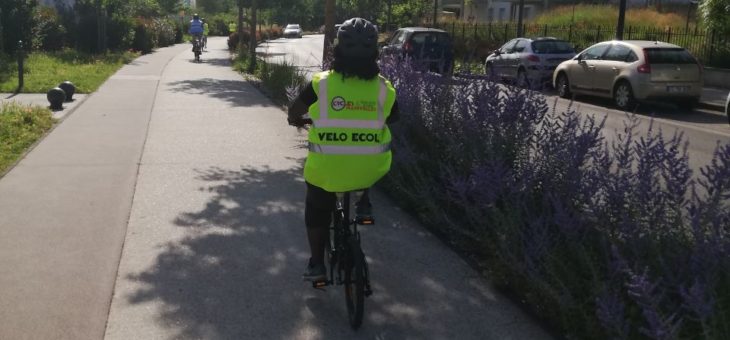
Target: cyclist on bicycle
x: 206, y: 32
x: 196, y: 28
x: 350, y: 108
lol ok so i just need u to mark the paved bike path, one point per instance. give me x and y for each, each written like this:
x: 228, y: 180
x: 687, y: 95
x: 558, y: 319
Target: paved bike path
x: 216, y: 244
x: 64, y: 211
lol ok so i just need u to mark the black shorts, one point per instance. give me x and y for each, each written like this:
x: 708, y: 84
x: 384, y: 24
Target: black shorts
x: 320, y: 204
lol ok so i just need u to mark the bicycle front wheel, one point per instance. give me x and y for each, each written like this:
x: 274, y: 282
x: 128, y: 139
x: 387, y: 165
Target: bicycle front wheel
x: 355, y: 283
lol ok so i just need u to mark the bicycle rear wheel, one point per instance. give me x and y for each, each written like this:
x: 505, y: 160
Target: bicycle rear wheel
x: 355, y: 283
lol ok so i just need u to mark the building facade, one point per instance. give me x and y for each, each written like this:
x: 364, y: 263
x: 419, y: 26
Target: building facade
x: 493, y: 10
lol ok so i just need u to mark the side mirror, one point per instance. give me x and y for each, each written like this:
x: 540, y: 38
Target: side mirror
x: 497, y: 52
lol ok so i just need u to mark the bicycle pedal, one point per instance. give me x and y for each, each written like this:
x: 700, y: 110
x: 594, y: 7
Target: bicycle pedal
x: 365, y: 220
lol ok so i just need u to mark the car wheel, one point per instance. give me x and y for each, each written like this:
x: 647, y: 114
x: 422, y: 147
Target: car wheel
x: 522, y: 80
x: 623, y: 96
x: 563, y: 86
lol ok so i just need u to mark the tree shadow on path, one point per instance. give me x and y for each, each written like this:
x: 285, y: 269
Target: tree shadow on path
x: 235, y: 92
x: 236, y: 274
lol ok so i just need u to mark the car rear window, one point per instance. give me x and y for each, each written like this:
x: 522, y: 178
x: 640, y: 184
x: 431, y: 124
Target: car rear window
x: 552, y: 47
x: 438, y: 38
x: 292, y: 26
x: 669, y: 56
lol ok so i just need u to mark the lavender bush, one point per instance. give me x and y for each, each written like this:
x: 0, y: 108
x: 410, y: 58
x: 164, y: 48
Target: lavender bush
x: 606, y: 240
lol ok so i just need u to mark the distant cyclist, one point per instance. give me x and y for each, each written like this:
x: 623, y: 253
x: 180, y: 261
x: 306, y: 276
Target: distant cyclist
x: 196, y: 27
x: 350, y: 108
x: 206, y: 31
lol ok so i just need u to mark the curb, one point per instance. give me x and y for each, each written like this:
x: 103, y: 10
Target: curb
x: 711, y: 106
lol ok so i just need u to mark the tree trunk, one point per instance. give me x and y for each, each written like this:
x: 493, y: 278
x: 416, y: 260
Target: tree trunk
x: 2, y: 40
x: 253, y: 42
x: 329, y: 26
x: 99, y: 29
x: 239, y: 27
x: 390, y: 13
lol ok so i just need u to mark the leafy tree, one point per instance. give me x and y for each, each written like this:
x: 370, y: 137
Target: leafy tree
x: 16, y: 17
x: 716, y: 15
x: 169, y: 6
x: 216, y: 6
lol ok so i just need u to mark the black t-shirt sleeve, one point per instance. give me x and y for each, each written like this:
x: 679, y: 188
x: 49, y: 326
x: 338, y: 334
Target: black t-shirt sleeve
x: 394, y: 114
x: 300, y: 105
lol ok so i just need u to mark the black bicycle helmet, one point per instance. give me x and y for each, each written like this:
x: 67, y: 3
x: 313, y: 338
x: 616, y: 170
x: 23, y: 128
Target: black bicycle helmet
x: 196, y: 16
x: 357, y: 37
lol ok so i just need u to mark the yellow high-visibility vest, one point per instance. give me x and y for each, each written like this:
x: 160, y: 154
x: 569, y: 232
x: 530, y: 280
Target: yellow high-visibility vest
x: 349, y: 142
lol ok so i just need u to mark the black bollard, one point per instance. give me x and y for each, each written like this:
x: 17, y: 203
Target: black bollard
x: 69, y: 88
x: 20, y: 65
x: 56, y: 97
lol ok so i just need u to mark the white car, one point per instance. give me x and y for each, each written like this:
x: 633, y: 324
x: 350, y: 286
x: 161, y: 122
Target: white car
x: 292, y: 30
x: 528, y: 62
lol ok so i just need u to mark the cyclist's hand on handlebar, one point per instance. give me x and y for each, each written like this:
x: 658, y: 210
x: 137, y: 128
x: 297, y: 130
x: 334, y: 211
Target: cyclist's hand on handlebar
x: 299, y: 122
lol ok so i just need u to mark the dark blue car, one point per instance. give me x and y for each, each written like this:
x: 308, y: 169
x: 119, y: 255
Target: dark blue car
x: 429, y: 48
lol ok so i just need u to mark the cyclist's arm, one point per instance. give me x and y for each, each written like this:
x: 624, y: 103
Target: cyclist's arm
x: 300, y: 106
x: 394, y: 114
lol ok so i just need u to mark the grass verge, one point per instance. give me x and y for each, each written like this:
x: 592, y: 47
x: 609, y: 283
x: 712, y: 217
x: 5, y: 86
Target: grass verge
x: 20, y: 127
x: 43, y: 71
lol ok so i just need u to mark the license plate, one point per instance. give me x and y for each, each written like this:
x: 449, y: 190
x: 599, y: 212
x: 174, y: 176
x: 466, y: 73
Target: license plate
x: 677, y: 89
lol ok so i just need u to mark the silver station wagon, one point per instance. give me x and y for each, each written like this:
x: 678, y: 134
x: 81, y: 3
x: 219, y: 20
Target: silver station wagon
x: 632, y: 70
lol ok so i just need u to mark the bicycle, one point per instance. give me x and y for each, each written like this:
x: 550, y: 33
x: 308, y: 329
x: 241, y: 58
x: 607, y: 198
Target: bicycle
x: 346, y: 256
x: 197, y: 49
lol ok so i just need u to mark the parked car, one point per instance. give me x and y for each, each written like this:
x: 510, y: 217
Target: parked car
x: 632, y: 70
x: 529, y: 62
x: 727, y: 107
x: 427, y: 47
x: 292, y: 30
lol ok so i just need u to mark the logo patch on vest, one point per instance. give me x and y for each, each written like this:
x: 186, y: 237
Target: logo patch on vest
x: 338, y: 103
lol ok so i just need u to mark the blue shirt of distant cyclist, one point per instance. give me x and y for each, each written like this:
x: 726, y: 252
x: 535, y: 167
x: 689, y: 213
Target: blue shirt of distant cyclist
x: 196, y: 27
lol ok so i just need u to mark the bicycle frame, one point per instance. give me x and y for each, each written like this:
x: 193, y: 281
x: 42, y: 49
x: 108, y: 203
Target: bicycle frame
x: 343, y: 227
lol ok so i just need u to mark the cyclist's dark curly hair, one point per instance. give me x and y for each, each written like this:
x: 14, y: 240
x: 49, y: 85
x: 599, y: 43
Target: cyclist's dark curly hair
x: 362, y: 67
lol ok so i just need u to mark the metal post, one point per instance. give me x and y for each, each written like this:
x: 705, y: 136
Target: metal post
x: 570, y: 32
x: 520, y: 29
x: 435, y: 12
x: 20, y: 66
x: 621, y: 18
x: 669, y: 34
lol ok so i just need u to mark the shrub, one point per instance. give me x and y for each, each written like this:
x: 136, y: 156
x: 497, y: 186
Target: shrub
x: 48, y: 32
x: 144, y: 40
x: 615, y: 240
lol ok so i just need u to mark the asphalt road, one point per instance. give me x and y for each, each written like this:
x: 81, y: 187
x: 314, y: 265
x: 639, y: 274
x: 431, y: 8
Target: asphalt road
x: 702, y: 128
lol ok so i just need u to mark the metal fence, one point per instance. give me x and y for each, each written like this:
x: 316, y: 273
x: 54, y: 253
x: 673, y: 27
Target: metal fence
x: 475, y: 41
